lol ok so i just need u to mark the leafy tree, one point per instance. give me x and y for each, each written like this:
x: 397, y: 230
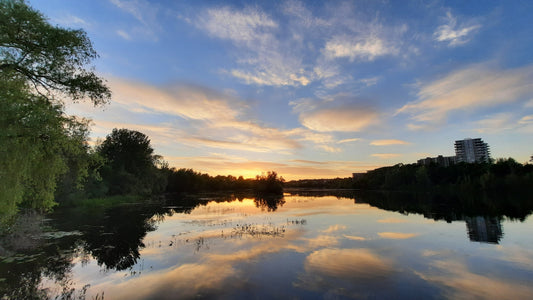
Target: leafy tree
x: 269, y: 183
x: 130, y: 162
x: 38, y: 141
x: 50, y: 58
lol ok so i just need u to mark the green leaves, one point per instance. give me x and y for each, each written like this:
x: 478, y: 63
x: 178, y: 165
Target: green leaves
x: 50, y: 58
x: 39, y: 143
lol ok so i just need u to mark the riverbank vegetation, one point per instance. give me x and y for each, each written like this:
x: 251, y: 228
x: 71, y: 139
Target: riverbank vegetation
x: 501, y: 175
x: 45, y: 157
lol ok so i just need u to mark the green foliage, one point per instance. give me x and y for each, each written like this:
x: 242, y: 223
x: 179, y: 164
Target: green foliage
x: 38, y: 142
x: 504, y: 174
x: 36, y: 139
x: 130, y: 166
x: 50, y: 58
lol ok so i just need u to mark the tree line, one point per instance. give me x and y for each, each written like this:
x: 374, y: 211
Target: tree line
x: 44, y: 152
x: 504, y: 174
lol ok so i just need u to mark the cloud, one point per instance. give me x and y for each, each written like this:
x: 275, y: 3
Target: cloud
x: 347, y: 264
x: 468, y: 89
x: 461, y: 283
x: 145, y: 13
x: 495, y: 123
x: 354, y: 237
x: 526, y: 120
x: 397, y: 235
x: 263, y: 56
x: 309, y: 162
x: 296, y: 47
x: 72, y: 21
x: 200, y: 117
x: 501, y: 122
x: 386, y: 155
x: 345, y: 119
x: 334, y: 228
x: 354, y: 48
x: 388, y: 142
x: 455, y: 34
x: 186, y: 101
x: 302, y: 16
x: 248, y: 25
x: 391, y: 220
x: 124, y: 34
x: 329, y: 149
x: 180, y: 282
x: 348, y: 141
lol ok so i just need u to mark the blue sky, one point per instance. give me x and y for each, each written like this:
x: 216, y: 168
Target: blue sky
x: 310, y: 89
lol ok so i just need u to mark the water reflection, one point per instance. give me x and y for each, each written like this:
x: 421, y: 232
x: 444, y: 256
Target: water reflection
x: 482, y: 213
x: 332, y: 244
x: 484, y: 229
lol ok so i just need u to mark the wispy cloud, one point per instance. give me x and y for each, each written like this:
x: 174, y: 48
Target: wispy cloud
x: 72, y: 21
x: 462, y: 283
x: 391, y: 220
x: 471, y: 88
x: 355, y: 237
x: 248, y: 26
x: 397, y: 235
x: 453, y: 33
x: 348, y: 141
x: 348, y: 264
x: 296, y: 47
x: 342, y: 119
x: 356, y: 48
x: 329, y: 148
x: 334, y: 228
x: 254, y: 33
x: 388, y: 142
x: 123, y: 34
x: 500, y: 122
x: 145, y: 13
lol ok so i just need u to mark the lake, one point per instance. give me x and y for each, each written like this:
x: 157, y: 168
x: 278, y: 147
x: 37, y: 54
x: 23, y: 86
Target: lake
x: 304, y: 245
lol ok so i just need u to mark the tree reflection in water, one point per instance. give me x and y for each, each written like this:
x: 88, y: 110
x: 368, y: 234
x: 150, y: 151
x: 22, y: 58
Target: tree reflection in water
x: 269, y: 202
x: 114, y: 236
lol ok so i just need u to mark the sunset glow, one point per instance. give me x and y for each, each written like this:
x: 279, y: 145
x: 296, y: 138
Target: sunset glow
x: 309, y: 89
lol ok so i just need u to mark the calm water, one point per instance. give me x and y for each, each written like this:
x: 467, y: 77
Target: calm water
x: 300, y: 246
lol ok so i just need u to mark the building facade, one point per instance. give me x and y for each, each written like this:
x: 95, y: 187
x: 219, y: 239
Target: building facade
x: 472, y: 151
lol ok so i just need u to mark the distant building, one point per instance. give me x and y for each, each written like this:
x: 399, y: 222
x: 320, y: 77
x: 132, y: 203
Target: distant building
x: 472, y: 151
x: 440, y: 160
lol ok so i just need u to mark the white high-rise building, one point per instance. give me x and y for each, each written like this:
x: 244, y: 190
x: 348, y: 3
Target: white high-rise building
x: 472, y: 151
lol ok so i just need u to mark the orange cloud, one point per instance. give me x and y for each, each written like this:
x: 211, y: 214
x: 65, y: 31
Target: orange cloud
x: 397, y: 235
x: 391, y: 220
x: 344, y: 119
x: 386, y: 155
x: 348, y: 264
x: 388, y: 142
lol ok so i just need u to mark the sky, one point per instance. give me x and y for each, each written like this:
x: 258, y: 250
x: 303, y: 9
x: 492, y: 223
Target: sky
x: 309, y: 89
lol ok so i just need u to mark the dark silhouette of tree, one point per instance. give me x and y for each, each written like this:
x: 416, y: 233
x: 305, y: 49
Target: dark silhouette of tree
x: 269, y: 183
x: 130, y: 166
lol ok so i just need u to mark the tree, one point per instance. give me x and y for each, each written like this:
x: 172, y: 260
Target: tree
x: 269, y: 183
x: 130, y: 162
x: 50, y: 58
x: 38, y: 141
